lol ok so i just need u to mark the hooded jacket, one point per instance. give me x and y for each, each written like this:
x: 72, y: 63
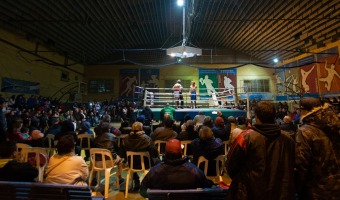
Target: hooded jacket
x: 318, y: 155
x: 261, y: 164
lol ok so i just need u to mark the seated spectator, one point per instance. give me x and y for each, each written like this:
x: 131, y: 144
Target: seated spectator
x: 25, y: 132
x: 66, y: 167
x: 174, y: 172
x: 85, y: 128
x: 199, y: 118
x: 11, y: 169
x: 146, y: 129
x: 107, y: 118
x: 55, y: 127
x: 14, y: 131
x: 107, y: 140
x: 188, y: 133
x: 68, y: 128
x: 164, y: 133
x: 220, y: 130
x: 208, y: 146
x: 138, y: 141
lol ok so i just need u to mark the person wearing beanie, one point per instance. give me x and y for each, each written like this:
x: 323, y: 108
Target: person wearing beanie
x: 138, y: 141
x: 174, y: 172
x: 317, y: 151
x: 220, y: 130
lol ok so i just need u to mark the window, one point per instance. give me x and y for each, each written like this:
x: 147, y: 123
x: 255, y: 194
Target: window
x: 261, y: 85
x: 101, y: 86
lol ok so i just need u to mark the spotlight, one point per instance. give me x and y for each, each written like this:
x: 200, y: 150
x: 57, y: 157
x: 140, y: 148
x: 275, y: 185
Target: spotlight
x: 276, y: 60
x: 180, y: 2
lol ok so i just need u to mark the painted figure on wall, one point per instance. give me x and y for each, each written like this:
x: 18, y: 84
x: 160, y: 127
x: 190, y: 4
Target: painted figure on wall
x: 228, y: 87
x: 130, y: 82
x: 154, y: 80
x: 331, y: 72
x: 208, y: 84
x: 304, y: 76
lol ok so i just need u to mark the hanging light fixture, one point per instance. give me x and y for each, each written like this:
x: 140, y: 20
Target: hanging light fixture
x: 183, y: 51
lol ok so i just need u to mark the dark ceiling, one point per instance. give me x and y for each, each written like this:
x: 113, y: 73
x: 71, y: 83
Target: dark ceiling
x: 140, y: 31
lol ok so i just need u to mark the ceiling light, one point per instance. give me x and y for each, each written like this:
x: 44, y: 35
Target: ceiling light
x: 183, y: 51
x: 276, y: 60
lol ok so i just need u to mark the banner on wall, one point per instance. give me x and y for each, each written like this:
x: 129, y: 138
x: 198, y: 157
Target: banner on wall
x: 329, y: 76
x: 149, y: 78
x: 128, y: 80
x: 19, y: 86
x: 219, y: 81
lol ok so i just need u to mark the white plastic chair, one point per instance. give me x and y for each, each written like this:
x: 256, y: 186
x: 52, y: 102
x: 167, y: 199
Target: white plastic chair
x: 82, y: 138
x: 37, y: 151
x: 220, y: 163
x: 185, y: 144
x: 120, y: 138
x: 226, y: 147
x: 159, y: 144
x: 22, y: 145
x: 130, y: 155
x: 51, y: 149
x: 104, y: 164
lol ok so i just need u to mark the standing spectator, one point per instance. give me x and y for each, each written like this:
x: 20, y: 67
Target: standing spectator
x: 66, y: 167
x: 3, y: 121
x: 261, y: 161
x: 174, y: 172
x: 318, y: 151
x: 288, y: 126
x: 167, y: 110
x: 241, y: 126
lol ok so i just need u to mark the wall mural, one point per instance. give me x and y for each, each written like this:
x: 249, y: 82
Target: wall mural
x: 320, y: 76
x: 19, y: 86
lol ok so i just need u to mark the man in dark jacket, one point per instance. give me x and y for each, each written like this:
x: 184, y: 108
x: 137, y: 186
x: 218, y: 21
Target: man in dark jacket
x: 261, y: 160
x: 318, y: 151
x: 138, y: 141
x: 174, y: 172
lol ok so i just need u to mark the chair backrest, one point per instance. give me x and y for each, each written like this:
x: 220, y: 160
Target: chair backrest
x: 160, y: 144
x: 186, y: 144
x: 220, y: 163
x: 22, y: 145
x: 85, y: 137
x: 226, y: 147
x: 142, y: 155
x: 103, y: 156
x: 120, y: 138
x: 40, y: 158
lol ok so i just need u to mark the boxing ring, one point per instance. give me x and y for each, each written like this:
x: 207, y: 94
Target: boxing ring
x: 227, y: 101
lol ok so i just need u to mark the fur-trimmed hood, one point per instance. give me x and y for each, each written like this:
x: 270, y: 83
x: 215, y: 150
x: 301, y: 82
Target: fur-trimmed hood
x: 321, y: 117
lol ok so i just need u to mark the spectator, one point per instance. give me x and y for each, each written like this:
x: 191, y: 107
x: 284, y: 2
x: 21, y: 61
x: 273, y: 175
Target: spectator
x: 106, y: 118
x: 146, y: 128
x: 199, y: 118
x: 241, y: 126
x: 288, y: 126
x: 149, y: 117
x: 137, y: 140
x: 167, y: 110
x: 317, y: 151
x: 11, y: 169
x: 219, y: 129
x: 164, y: 133
x: 66, y: 167
x: 174, y: 172
x: 208, y: 146
x: 14, y: 131
x: 188, y: 133
x: 106, y: 140
x: 261, y: 161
